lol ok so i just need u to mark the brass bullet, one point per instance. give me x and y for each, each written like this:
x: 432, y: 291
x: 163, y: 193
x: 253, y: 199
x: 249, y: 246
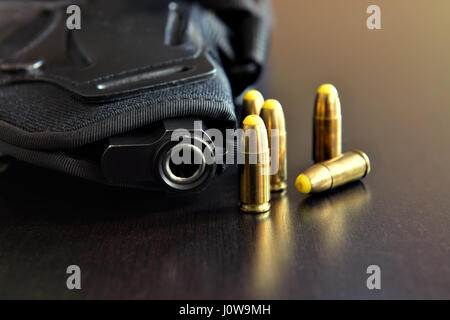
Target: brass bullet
x: 253, y: 102
x: 273, y: 117
x: 323, y: 176
x: 327, y: 139
x: 254, y: 175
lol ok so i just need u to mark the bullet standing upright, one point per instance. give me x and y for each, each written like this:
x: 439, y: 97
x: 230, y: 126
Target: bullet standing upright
x: 253, y: 102
x: 327, y: 139
x: 273, y: 117
x: 254, y: 173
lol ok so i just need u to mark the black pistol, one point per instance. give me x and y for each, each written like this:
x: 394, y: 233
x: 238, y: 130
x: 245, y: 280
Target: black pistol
x: 103, y: 100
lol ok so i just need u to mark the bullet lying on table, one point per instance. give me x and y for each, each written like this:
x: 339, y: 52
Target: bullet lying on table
x: 254, y: 173
x: 327, y: 134
x: 327, y: 175
x: 273, y: 117
x: 253, y: 102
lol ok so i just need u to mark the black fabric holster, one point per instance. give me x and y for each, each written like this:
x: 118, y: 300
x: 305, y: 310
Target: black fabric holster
x: 133, y: 64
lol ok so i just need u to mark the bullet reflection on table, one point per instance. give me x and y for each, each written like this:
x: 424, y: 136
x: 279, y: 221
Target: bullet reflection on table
x: 331, y: 213
x: 273, y: 248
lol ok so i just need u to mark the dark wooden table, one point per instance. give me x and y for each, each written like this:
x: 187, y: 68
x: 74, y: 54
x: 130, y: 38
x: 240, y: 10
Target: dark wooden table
x: 394, y: 87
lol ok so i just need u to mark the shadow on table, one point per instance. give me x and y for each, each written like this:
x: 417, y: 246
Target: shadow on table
x: 32, y: 192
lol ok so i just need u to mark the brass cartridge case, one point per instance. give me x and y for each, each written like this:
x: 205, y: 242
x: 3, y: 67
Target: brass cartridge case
x: 327, y: 136
x: 253, y: 102
x: 273, y: 117
x: 254, y: 173
x: 327, y: 175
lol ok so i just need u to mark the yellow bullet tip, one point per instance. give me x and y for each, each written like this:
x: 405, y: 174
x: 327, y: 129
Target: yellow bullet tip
x: 327, y: 89
x: 303, y: 184
x: 252, y: 120
x: 254, y: 95
x: 271, y: 104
